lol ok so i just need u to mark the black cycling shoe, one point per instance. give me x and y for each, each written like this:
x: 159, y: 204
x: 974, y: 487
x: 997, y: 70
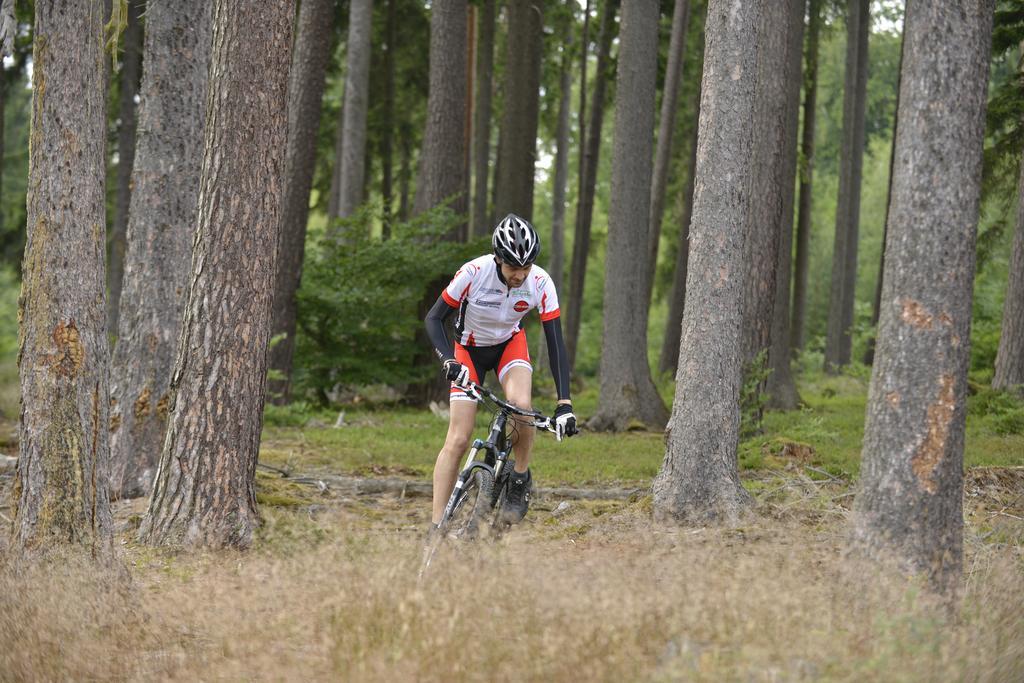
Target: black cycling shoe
x: 517, y: 497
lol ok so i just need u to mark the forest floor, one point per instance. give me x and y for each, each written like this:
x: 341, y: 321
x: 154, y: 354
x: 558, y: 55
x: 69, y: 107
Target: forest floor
x: 583, y: 590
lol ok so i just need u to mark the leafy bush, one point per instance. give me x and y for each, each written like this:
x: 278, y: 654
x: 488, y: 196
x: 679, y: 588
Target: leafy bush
x: 9, y: 287
x: 359, y: 303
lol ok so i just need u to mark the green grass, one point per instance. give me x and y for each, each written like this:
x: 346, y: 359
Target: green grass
x: 830, y: 424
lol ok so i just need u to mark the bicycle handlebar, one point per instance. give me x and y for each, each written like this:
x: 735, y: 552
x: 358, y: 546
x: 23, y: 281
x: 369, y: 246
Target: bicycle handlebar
x: 540, y: 420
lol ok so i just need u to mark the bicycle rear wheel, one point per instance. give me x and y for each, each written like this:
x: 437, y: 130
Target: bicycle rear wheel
x: 470, y: 512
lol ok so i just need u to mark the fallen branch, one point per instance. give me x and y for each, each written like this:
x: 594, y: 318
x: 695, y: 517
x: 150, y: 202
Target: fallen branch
x: 366, y: 486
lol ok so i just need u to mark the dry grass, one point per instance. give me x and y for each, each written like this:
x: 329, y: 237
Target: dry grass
x: 330, y: 593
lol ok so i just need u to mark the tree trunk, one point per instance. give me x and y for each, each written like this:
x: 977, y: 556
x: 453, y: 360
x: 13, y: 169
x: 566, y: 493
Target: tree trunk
x: 677, y: 299
x: 556, y: 260
x: 838, y: 340
x: 628, y: 395
x: 767, y: 205
x: 59, y: 493
x: 517, y: 142
x: 666, y: 126
x: 404, y: 174
x: 781, y: 388
x: 131, y: 66
x: 588, y: 180
x: 803, y: 228
x: 442, y: 171
x: 204, y: 492
x: 442, y: 158
x: 699, y: 479
x: 482, y: 117
x: 357, y: 91
x: 909, y: 503
x: 172, y: 118
x: 388, y: 127
x: 305, y: 95
x: 869, y: 352
x: 1010, y: 357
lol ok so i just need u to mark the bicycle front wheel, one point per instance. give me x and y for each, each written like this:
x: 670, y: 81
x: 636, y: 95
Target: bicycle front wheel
x: 470, y: 512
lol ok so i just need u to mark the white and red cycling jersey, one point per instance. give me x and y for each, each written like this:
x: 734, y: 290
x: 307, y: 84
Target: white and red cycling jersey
x: 490, y: 310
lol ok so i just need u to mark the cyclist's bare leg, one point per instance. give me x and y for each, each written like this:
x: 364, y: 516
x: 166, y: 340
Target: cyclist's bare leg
x: 518, y: 386
x: 461, y: 417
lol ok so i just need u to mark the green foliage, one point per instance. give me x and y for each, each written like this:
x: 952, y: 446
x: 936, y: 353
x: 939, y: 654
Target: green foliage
x: 9, y: 287
x: 1005, y: 134
x: 359, y: 301
x: 998, y: 412
x: 752, y: 395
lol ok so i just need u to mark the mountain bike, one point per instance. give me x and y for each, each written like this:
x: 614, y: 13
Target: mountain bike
x: 479, y: 494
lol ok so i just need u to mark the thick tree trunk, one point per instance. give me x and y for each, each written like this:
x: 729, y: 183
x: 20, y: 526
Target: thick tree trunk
x: 442, y: 158
x: 1010, y: 357
x: 838, y: 340
x: 628, y: 395
x: 909, y: 504
x: 357, y: 96
x: 60, y: 493
x: 556, y: 260
x: 172, y: 117
x: 699, y: 479
x: 803, y: 227
x: 305, y: 96
x: 517, y: 142
x: 677, y: 299
x: 767, y: 205
x: 588, y: 181
x: 204, y: 492
x: 479, y: 224
x: 781, y: 388
x: 442, y: 171
x: 131, y: 66
x: 666, y: 126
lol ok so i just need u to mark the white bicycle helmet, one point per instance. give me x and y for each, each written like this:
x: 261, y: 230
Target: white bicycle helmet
x: 515, y: 241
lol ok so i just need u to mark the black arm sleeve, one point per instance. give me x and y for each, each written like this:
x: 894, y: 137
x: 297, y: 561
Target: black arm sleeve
x: 557, y: 356
x: 434, y: 321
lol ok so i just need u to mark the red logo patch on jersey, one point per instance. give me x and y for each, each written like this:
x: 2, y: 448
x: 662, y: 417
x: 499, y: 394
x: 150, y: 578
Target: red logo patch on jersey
x: 520, y: 306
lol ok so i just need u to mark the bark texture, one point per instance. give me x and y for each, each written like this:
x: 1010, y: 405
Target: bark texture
x: 131, y: 67
x: 781, y: 388
x: 556, y: 259
x: 204, y: 491
x: 480, y: 223
x: 803, y: 227
x: 666, y: 126
x: 909, y: 504
x: 60, y: 494
x: 699, y: 478
x: 677, y: 299
x: 838, y: 340
x: 628, y: 395
x: 160, y: 231
x: 517, y: 142
x: 388, y: 120
x: 1010, y: 356
x: 442, y: 170
x: 766, y: 217
x: 588, y: 181
x: 305, y: 97
x: 355, y: 107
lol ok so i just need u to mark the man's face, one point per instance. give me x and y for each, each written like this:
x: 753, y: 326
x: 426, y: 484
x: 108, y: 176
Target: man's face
x: 514, y: 275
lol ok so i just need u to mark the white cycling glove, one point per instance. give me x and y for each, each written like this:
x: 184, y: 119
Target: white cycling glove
x: 565, y: 421
x: 457, y: 373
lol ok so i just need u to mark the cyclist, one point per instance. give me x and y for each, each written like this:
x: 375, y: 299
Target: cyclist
x: 491, y: 295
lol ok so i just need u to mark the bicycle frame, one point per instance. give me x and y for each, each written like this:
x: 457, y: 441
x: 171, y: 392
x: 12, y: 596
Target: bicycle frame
x: 490, y: 445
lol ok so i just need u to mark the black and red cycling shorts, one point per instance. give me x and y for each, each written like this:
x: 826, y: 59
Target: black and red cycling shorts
x: 500, y: 358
